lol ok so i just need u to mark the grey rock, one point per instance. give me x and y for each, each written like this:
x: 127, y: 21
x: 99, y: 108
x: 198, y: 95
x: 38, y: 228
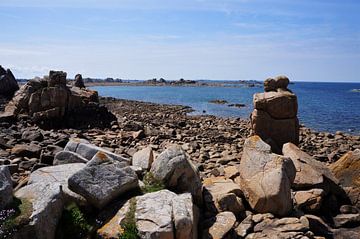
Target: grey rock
x: 143, y: 158
x: 177, y: 172
x: 47, y: 203
x: 8, y: 83
x: 6, y: 187
x: 59, y: 174
x: 88, y: 151
x: 161, y: 214
x: 68, y: 157
x: 102, y: 181
x: 347, y: 220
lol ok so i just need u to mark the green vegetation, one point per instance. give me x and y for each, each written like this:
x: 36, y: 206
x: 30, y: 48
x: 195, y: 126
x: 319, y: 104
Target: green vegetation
x: 73, y: 223
x: 151, y: 184
x: 129, y: 230
x: 14, y: 217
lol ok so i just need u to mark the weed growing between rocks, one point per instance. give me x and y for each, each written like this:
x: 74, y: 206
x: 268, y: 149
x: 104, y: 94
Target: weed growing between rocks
x: 151, y: 184
x: 73, y: 224
x: 14, y: 217
x: 128, y: 226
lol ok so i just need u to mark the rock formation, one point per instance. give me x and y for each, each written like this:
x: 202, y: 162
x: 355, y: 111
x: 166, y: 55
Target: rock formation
x: 51, y: 102
x: 274, y: 117
x: 79, y: 82
x: 8, y: 83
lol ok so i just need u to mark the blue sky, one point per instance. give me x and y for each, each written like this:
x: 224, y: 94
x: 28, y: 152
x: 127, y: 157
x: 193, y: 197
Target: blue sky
x: 308, y: 40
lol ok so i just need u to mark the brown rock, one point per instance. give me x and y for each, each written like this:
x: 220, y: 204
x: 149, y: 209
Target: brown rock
x: 347, y: 169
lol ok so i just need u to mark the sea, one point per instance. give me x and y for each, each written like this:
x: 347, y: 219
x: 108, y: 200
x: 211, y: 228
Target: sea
x: 325, y: 107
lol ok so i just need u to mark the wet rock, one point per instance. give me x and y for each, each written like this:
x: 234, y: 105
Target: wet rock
x: 59, y: 175
x: 102, y: 180
x: 266, y: 178
x: 176, y: 171
x: 6, y: 187
x: 68, y: 157
x: 143, y: 158
x: 47, y: 206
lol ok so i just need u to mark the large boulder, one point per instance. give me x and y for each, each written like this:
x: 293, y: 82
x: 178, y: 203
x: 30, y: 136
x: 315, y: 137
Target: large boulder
x: 51, y: 102
x: 46, y: 204
x: 59, y: 175
x: 266, y: 178
x: 177, y: 172
x: 310, y: 173
x: 347, y: 169
x: 274, y: 117
x: 6, y: 187
x: 161, y: 214
x: 8, y: 83
x: 88, y: 151
x: 143, y: 158
x: 102, y: 180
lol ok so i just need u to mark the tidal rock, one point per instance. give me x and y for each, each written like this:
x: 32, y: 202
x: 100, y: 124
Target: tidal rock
x: 101, y: 181
x: 177, y: 172
x: 143, y: 158
x: 59, y: 175
x: 68, y: 157
x: 266, y: 178
x: 6, y: 187
x: 47, y: 205
x: 347, y: 169
x: 88, y: 151
x: 79, y: 82
x: 176, y: 217
x: 8, y: 83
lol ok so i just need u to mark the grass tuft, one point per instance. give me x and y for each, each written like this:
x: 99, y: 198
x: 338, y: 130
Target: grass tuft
x: 151, y: 184
x: 128, y: 225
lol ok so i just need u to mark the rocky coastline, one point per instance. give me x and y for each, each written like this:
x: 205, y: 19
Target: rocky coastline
x: 197, y: 162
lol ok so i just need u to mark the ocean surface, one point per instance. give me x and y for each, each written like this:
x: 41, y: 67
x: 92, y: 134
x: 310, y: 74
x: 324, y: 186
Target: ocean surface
x: 328, y: 107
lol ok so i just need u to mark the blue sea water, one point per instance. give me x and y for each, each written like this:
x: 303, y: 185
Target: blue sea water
x: 326, y: 107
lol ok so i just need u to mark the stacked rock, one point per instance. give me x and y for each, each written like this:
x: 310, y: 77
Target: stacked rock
x: 79, y: 82
x: 8, y: 83
x: 274, y: 117
x: 51, y: 102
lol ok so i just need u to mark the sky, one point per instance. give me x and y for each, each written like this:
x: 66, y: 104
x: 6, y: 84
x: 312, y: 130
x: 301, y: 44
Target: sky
x: 307, y: 40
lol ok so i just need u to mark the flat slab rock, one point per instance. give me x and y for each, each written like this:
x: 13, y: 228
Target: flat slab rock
x: 101, y: 180
x: 59, y: 174
x: 161, y: 214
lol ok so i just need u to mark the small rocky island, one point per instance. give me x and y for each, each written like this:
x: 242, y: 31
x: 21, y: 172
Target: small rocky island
x: 75, y: 165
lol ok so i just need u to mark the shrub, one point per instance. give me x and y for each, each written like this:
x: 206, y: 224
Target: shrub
x: 128, y: 225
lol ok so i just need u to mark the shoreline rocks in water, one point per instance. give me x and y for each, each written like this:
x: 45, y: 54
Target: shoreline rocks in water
x: 197, y: 169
